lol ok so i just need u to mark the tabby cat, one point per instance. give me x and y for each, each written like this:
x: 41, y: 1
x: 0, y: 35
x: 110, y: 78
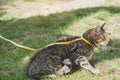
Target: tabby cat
x: 58, y: 59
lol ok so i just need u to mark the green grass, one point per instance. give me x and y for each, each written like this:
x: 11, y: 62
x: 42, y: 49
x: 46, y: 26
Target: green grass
x: 38, y: 31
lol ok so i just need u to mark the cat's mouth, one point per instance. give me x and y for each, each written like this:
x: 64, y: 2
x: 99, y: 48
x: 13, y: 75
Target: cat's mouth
x: 102, y: 45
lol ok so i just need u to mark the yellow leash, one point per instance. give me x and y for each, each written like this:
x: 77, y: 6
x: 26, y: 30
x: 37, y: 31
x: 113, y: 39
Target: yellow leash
x: 18, y: 45
x: 32, y: 49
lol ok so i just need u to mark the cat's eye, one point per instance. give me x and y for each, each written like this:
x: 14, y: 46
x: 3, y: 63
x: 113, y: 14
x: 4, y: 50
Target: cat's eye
x: 101, y: 37
x: 107, y: 35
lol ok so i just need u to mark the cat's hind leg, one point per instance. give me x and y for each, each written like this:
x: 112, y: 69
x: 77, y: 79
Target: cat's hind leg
x: 66, y: 67
x: 67, y: 62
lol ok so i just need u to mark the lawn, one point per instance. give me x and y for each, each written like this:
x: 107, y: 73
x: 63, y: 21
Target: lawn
x: 39, y: 30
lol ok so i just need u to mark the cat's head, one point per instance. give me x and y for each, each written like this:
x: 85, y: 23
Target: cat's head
x: 98, y: 36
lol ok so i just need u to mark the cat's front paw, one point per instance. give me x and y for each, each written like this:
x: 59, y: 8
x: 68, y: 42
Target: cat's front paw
x: 96, y: 71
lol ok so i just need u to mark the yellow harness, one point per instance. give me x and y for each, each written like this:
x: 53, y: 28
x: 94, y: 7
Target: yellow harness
x: 32, y: 49
x: 68, y: 42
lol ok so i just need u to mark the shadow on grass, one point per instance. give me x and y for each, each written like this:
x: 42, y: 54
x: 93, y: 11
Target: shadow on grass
x: 40, y: 30
x: 53, y: 22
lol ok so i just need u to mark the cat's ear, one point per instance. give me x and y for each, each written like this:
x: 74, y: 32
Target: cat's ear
x: 99, y: 28
x: 102, y: 27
